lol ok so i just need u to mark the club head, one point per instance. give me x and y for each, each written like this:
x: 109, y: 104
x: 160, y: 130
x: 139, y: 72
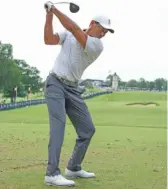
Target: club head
x: 73, y: 8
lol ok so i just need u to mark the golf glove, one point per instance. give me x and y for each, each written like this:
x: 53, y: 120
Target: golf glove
x: 48, y: 5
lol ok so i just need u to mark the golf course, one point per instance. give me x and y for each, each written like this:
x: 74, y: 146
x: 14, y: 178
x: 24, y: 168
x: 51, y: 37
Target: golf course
x: 128, y: 150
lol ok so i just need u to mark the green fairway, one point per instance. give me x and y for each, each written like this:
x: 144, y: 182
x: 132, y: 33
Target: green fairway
x: 128, y: 150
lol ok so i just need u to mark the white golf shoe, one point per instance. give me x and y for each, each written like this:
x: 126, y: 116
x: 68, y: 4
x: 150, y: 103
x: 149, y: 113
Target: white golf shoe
x: 81, y: 174
x: 58, y: 180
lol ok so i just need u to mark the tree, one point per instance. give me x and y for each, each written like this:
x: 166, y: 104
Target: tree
x: 6, y: 51
x: 8, y: 68
x: 150, y: 85
x: 141, y: 84
x: 122, y: 84
x: 14, y: 72
x: 30, y: 76
x: 165, y: 83
x: 109, y: 80
x: 12, y: 75
x: 131, y: 83
x: 161, y: 84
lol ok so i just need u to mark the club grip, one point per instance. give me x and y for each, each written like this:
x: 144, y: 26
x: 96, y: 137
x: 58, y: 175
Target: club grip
x: 45, y: 6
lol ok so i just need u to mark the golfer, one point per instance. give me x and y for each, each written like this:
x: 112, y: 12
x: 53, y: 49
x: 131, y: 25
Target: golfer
x: 79, y: 49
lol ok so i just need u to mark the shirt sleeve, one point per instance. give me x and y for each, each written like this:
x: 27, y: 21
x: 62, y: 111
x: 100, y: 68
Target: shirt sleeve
x: 62, y: 36
x: 94, y: 46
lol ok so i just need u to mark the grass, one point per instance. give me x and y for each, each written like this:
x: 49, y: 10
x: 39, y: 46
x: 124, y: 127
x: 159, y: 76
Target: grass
x: 128, y: 150
x: 93, y: 90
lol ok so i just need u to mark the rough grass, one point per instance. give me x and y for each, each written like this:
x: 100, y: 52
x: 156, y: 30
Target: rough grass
x: 128, y: 150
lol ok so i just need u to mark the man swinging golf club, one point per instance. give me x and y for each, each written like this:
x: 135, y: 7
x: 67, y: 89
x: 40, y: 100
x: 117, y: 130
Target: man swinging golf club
x: 63, y: 96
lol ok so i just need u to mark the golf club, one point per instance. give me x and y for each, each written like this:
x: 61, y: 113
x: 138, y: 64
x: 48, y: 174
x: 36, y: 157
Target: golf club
x: 72, y: 6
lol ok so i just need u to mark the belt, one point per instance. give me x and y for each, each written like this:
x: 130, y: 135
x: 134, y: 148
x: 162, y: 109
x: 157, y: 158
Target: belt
x: 65, y: 81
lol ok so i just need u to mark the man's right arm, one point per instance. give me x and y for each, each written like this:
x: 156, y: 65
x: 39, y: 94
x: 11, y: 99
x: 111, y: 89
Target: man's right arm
x: 49, y: 37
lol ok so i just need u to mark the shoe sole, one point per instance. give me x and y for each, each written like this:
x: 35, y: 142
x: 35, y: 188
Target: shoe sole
x: 79, y: 177
x: 51, y: 184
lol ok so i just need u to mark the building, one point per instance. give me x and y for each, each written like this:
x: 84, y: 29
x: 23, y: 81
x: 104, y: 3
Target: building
x: 115, y: 80
x: 93, y: 83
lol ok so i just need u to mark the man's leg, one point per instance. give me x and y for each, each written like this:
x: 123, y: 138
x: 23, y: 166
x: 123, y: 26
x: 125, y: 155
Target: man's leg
x: 56, y: 108
x: 81, y: 119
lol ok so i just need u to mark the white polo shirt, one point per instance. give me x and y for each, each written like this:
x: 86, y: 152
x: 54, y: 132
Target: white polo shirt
x: 73, y: 59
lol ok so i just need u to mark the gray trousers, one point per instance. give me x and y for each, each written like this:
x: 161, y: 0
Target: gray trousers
x: 62, y: 99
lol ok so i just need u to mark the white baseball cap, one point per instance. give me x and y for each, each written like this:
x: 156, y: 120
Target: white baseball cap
x: 104, y: 21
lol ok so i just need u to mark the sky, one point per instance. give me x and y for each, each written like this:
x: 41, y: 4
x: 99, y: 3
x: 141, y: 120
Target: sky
x: 138, y: 48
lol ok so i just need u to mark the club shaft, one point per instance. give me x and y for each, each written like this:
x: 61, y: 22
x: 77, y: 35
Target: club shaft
x: 63, y: 2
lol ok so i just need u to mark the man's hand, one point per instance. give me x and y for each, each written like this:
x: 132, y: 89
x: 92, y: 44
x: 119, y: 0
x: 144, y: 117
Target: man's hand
x: 48, y: 6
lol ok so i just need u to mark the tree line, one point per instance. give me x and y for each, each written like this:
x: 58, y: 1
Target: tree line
x: 16, y: 74
x: 159, y: 84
